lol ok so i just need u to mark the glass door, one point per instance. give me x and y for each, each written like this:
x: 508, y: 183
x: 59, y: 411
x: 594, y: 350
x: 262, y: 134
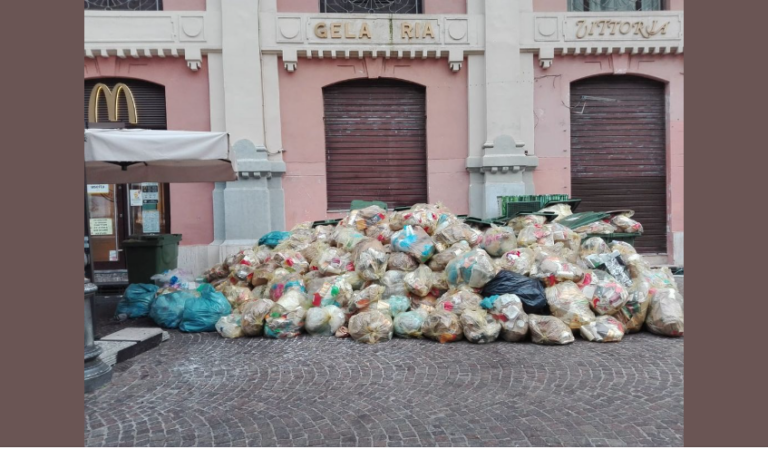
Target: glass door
x: 106, y: 203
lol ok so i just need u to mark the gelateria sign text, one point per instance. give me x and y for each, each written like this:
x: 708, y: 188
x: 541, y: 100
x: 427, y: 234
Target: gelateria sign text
x: 607, y: 28
x: 375, y: 31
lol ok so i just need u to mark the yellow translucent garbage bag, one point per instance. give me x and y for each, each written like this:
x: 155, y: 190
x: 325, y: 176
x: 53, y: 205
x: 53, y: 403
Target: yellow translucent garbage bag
x: 253, y: 314
x: 459, y: 300
x: 411, y: 324
x: 549, y: 330
x: 370, y: 259
x: 443, y: 326
x: 402, y: 262
x: 439, y: 261
x: 605, y: 329
x: 479, y: 327
x: 228, y: 326
x: 605, y: 293
x: 518, y: 261
x: 371, y: 327
x: 281, y: 323
x: 508, y: 311
x: 324, y: 321
x: 419, y: 282
x: 474, y: 268
x: 633, y: 313
x: 567, y: 302
x: 497, y: 241
x: 665, y: 314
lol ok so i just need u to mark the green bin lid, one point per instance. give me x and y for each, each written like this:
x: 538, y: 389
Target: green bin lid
x: 582, y: 218
x: 152, y: 239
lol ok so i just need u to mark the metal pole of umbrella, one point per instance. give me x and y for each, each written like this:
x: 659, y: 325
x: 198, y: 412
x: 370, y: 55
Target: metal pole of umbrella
x: 97, y: 373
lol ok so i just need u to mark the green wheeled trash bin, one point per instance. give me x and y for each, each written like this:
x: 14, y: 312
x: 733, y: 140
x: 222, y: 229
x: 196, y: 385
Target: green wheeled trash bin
x: 148, y: 255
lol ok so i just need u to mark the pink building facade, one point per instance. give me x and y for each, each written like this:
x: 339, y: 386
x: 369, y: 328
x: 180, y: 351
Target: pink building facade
x: 497, y: 79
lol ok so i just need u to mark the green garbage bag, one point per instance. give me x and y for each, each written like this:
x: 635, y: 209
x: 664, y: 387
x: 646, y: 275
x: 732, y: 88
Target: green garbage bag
x: 137, y: 300
x: 202, y: 313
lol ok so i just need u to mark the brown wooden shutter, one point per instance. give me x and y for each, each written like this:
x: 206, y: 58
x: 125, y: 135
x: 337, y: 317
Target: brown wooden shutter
x: 149, y: 98
x: 375, y: 137
x: 618, y: 151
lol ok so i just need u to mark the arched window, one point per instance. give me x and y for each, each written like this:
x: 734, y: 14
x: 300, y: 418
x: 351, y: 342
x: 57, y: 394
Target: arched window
x: 372, y: 6
x: 376, y: 143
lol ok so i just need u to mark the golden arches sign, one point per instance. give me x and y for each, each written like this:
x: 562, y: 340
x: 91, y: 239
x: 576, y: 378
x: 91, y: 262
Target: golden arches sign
x: 112, y: 97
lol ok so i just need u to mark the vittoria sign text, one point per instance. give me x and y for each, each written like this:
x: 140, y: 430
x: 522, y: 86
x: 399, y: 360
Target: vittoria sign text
x: 620, y: 27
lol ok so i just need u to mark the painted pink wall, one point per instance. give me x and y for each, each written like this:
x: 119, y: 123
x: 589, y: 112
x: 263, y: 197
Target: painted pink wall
x: 550, y: 5
x: 298, y: 5
x: 445, y: 6
x: 552, y: 132
x: 301, y: 110
x: 183, y: 5
x: 188, y: 109
x: 676, y: 5
x: 430, y: 6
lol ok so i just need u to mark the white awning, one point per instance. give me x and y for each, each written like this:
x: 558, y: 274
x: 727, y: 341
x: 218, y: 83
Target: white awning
x: 121, y: 156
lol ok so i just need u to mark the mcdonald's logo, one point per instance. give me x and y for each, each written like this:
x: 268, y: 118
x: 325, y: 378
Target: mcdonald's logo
x: 112, y: 97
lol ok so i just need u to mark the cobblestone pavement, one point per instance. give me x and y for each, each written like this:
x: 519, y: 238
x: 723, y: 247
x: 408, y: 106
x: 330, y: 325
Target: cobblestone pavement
x: 201, y: 389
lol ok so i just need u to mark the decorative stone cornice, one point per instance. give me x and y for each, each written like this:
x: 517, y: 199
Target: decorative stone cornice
x: 161, y: 34
x: 595, y: 33
x: 356, y: 36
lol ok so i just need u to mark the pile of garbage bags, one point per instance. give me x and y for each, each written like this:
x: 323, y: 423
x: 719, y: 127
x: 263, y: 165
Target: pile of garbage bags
x: 425, y: 273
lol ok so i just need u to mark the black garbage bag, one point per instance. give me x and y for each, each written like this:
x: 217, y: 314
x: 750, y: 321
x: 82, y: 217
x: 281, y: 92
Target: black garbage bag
x: 530, y: 291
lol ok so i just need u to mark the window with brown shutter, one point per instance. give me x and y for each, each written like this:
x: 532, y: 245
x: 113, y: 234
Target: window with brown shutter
x: 375, y: 138
x: 618, y: 151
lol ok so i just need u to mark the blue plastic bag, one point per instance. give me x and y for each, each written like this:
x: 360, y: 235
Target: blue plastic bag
x: 168, y: 309
x: 136, y: 300
x: 274, y: 238
x: 201, y: 313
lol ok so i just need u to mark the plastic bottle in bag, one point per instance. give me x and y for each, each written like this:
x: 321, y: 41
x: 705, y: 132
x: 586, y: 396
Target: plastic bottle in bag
x: 549, y: 330
x: 371, y: 327
x: 605, y: 329
x: 567, y: 302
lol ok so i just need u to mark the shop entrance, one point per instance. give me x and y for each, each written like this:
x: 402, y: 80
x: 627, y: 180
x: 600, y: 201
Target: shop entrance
x: 618, y: 151
x: 118, y: 211
x: 376, y: 142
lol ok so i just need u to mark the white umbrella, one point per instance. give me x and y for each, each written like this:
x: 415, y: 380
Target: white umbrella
x: 122, y: 156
